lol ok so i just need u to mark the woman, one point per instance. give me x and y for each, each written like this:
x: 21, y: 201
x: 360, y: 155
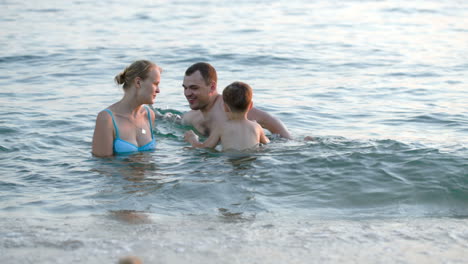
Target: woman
x: 127, y: 126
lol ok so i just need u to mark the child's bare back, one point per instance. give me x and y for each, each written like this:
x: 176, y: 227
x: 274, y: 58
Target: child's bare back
x: 241, y: 135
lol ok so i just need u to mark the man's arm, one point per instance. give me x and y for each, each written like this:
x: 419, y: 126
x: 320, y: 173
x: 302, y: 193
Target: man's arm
x: 195, y: 118
x: 267, y: 121
x: 188, y: 118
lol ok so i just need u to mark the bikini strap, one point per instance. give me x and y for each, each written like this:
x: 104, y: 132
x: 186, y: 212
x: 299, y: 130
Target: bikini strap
x: 149, y: 119
x: 113, y: 121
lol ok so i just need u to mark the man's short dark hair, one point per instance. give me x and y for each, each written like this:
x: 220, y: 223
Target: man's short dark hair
x: 207, y: 71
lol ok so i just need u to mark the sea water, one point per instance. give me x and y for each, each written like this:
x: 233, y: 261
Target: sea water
x: 381, y: 86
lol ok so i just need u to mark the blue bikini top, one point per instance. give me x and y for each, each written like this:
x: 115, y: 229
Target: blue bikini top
x: 121, y: 146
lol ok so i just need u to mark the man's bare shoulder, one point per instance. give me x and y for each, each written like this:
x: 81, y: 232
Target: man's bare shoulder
x: 192, y: 117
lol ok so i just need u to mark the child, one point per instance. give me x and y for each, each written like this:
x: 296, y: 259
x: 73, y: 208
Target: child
x: 237, y: 133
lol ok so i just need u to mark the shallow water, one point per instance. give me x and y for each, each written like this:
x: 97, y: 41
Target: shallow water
x: 381, y: 85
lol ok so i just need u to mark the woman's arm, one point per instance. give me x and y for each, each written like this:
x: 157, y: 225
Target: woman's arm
x: 103, y: 137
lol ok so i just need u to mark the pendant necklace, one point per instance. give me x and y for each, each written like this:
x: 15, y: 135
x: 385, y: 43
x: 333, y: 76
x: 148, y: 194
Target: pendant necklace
x: 143, y: 131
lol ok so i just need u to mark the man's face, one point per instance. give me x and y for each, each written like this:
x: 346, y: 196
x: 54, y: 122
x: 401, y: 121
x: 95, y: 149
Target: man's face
x: 197, y: 91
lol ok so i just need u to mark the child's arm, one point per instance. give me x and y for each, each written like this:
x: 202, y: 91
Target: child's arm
x: 273, y: 124
x: 210, y: 142
x: 263, y: 138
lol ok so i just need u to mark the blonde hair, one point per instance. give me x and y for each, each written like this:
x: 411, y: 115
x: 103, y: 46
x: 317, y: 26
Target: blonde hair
x: 140, y: 68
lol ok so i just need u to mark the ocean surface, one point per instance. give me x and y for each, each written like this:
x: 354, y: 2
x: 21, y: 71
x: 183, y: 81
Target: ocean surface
x: 382, y: 86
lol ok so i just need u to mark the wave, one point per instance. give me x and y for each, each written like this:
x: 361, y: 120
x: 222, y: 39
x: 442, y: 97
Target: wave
x: 410, y: 11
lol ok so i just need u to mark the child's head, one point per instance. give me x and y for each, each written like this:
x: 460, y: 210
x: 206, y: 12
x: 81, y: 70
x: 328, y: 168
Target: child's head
x: 238, y: 96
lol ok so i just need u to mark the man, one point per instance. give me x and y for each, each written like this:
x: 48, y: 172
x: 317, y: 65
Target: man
x: 200, y: 89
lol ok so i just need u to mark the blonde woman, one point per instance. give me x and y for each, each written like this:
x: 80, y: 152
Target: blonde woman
x: 127, y: 125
